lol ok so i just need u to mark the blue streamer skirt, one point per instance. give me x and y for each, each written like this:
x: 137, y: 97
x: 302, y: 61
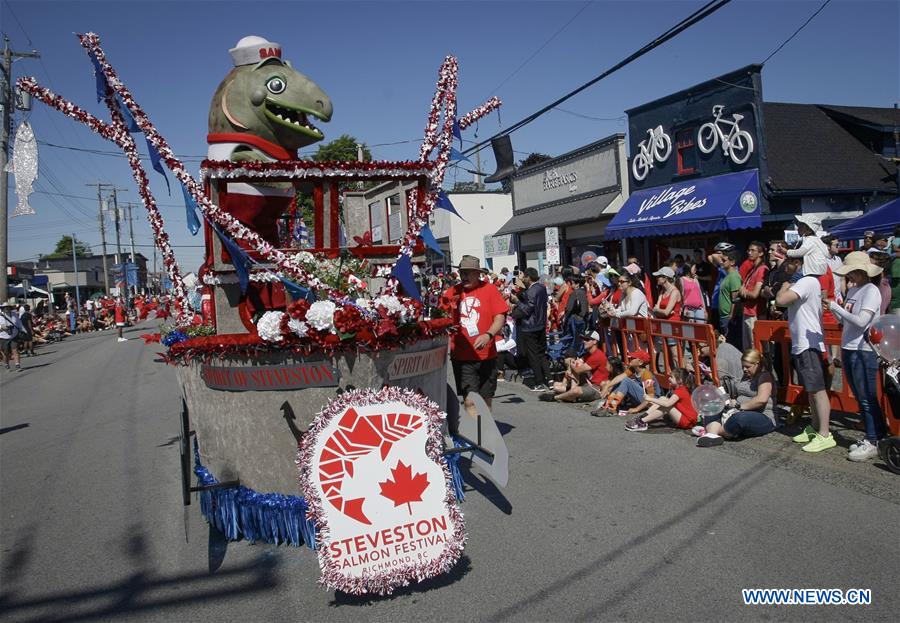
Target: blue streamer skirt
x: 242, y: 513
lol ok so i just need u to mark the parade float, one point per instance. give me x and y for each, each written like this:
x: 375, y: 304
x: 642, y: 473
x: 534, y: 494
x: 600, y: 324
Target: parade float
x: 313, y: 373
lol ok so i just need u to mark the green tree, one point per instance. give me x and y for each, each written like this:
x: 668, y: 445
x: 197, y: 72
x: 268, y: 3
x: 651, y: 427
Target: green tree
x: 533, y: 158
x: 64, y: 249
x: 342, y: 148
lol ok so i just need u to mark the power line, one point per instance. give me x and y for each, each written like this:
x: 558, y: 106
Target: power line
x: 697, y: 16
x: 796, y: 32
x: 544, y: 45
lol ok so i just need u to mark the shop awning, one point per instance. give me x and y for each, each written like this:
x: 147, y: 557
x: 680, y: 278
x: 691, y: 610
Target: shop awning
x: 723, y: 202
x: 881, y: 220
x: 578, y: 211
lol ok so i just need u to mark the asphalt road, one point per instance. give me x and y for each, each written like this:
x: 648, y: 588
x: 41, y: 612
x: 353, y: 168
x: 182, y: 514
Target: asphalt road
x: 596, y: 524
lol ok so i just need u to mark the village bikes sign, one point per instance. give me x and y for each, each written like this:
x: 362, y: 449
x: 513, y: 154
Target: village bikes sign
x: 379, y: 491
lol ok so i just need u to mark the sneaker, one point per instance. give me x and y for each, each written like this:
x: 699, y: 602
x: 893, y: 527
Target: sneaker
x: 122, y: 339
x: 547, y: 397
x: 819, y: 443
x: 602, y: 412
x: 637, y: 425
x: 809, y: 433
x: 698, y: 431
x: 710, y: 440
x: 864, y: 451
x: 540, y: 388
x: 855, y: 445
x: 18, y: 368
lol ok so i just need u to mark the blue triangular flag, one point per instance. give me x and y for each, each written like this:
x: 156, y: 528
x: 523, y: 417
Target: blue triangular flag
x: 193, y: 221
x: 456, y: 133
x: 455, y: 155
x: 443, y: 202
x: 129, y: 118
x: 403, y: 273
x: 156, y: 161
x: 238, y: 258
x: 430, y: 241
x: 101, y: 79
x: 298, y: 292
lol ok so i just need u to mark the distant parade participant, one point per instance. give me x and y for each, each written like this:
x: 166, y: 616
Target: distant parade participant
x: 10, y: 328
x: 120, y: 318
x: 479, y: 310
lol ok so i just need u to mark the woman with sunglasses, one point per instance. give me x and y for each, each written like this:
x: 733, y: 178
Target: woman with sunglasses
x: 633, y: 304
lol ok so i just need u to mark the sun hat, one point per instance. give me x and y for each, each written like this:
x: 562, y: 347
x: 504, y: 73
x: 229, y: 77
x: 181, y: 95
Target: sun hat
x: 808, y: 221
x: 876, y: 251
x: 665, y: 271
x: 601, y: 259
x: 858, y: 260
x: 633, y: 268
x: 470, y: 262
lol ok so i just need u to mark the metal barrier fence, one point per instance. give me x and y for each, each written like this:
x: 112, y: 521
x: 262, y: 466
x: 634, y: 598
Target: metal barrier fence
x: 678, y: 338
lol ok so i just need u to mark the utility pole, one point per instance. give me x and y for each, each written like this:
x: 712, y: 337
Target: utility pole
x: 75, y: 270
x: 131, y: 237
x: 99, y: 186
x: 118, y: 228
x: 6, y: 100
x: 130, y: 229
x: 479, y: 183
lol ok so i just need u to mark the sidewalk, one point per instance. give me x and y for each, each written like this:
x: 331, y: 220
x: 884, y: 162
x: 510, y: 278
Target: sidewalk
x: 831, y: 466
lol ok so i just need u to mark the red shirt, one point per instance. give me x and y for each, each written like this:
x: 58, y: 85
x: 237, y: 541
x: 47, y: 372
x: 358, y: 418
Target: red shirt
x: 744, y: 269
x: 685, y: 405
x: 474, y: 311
x: 597, y: 361
x: 752, y: 307
x: 826, y: 281
x: 676, y: 310
x: 120, y: 314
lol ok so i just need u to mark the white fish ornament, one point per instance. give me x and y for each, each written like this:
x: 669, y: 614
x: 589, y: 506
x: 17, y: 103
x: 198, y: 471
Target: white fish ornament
x: 24, y: 167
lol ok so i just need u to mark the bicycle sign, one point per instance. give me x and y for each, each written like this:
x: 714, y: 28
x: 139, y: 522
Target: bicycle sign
x: 737, y: 144
x: 656, y: 148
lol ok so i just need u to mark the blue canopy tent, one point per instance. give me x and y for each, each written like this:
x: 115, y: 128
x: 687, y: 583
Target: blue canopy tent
x: 881, y: 220
x: 723, y: 202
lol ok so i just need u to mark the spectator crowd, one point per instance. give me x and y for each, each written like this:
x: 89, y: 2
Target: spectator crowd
x: 565, y: 334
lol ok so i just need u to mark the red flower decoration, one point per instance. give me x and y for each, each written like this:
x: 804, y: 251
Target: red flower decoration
x: 365, y: 240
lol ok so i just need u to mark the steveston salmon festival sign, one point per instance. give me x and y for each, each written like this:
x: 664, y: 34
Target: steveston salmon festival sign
x: 379, y: 491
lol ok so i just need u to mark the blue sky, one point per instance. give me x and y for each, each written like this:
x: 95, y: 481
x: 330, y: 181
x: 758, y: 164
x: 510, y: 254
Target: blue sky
x: 378, y: 62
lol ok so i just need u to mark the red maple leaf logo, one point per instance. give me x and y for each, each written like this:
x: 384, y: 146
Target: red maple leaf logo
x: 404, y: 488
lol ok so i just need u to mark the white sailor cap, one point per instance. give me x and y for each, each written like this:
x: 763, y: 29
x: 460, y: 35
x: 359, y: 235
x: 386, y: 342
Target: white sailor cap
x: 251, y: 50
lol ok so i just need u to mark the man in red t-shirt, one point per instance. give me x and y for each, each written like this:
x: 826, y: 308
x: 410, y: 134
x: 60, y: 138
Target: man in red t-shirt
x: 751, y: 289
x: 583, y: 375
x: 479, y: 310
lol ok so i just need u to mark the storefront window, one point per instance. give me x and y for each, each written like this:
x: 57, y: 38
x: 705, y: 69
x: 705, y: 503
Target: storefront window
x: 376, y: 218
x: 395, y: 231
x: 687, y: 151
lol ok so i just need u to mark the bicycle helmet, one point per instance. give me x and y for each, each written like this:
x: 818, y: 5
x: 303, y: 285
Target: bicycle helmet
x: 723, y: 247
